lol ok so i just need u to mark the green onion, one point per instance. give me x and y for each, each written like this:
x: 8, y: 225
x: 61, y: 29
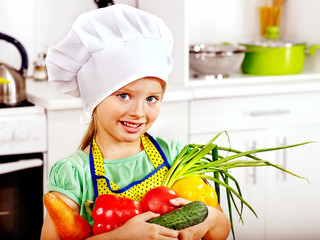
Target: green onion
x: 200, y: 160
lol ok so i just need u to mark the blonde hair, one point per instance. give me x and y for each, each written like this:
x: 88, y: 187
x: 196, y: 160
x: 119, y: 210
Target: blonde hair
x: 90, y: 133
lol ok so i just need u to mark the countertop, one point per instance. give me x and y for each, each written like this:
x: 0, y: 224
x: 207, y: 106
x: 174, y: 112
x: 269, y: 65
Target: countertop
x: 43, y: 94
x: 247, y: 85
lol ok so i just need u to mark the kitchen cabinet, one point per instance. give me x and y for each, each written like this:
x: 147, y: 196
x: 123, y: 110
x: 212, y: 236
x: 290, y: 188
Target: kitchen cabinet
x: 251, y: 181
x: 301, y: 213
x: 173, y: 121
x: 283, y: 203
x: 65, y: 133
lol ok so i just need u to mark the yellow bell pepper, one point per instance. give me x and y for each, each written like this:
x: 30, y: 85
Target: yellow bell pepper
x: 196, y: 189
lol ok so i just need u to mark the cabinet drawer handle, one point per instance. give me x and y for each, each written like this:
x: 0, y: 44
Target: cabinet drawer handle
x: 5, y: 213
x: 20, y: 165
x: 253, y: 175
x: 275, y: 112
x: 282, y: 157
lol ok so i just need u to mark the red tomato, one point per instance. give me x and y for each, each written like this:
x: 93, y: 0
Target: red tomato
x: 157, y: 200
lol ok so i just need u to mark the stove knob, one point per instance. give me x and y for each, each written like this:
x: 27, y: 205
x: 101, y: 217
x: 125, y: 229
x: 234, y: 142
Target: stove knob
x: 21, y: 134
x: 5, y: 136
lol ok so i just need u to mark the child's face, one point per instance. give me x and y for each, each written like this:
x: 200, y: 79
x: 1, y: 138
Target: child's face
x: 129, y: 112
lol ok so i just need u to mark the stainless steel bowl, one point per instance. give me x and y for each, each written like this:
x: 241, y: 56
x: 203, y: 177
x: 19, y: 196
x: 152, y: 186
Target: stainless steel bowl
x: 215, y: 59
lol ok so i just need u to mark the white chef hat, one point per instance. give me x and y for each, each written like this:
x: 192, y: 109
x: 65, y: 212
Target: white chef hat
x: 106, y: 49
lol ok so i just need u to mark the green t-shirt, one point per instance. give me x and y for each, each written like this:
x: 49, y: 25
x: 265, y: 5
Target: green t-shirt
x: 71, y: 176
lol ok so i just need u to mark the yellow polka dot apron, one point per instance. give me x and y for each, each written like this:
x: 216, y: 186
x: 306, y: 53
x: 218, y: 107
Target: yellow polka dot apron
x: 135, y: 190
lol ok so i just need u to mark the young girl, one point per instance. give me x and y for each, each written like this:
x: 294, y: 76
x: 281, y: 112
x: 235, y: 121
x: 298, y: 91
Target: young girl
x: 117, y: 59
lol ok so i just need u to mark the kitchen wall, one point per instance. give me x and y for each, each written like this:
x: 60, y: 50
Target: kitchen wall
x: 233, y: 21
x: 38, y: 24
x: 214, y: 21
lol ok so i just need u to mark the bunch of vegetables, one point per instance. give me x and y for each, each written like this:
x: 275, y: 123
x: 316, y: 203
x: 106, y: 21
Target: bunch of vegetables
x: 196, y: 161
x: 110, y: 211
x: 187, y: 178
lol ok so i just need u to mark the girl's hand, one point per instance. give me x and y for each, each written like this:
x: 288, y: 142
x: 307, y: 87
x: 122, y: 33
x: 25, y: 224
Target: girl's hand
x: 138, y: 228
x: 195, y: 232
x: 198, y: 231
x: 216, y: 225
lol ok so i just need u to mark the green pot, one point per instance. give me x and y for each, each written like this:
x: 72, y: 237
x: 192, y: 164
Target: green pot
x: 274, y: 56
x: 274, y: 60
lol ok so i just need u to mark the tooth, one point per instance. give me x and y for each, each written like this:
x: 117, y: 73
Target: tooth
x: 130, y: 125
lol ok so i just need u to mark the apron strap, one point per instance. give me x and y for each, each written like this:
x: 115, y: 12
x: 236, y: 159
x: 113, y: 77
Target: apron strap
x: 93, y: 174
x: 157, y: 147
x: 97, y: 172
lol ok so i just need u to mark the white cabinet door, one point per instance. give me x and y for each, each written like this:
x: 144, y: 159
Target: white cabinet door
x: 287, y: 207
x: 294, y: 204
x: 65, y: 132
x: 251, y: 181
x: 173, y: 121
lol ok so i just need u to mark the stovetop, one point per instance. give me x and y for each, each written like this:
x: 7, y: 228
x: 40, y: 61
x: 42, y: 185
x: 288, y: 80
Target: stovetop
x: 22, y: 129
x: 21, y: 109
x: 24, y: 103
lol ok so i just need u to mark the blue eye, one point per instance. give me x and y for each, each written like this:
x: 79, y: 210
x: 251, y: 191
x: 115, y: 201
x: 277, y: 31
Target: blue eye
x: 151, y: 99
x: 123, y: 96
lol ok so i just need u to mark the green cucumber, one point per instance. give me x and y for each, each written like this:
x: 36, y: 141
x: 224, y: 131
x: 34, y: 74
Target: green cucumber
x: 186, y: 216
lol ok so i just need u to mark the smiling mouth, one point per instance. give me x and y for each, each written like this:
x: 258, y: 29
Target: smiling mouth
x: 131, y: 124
